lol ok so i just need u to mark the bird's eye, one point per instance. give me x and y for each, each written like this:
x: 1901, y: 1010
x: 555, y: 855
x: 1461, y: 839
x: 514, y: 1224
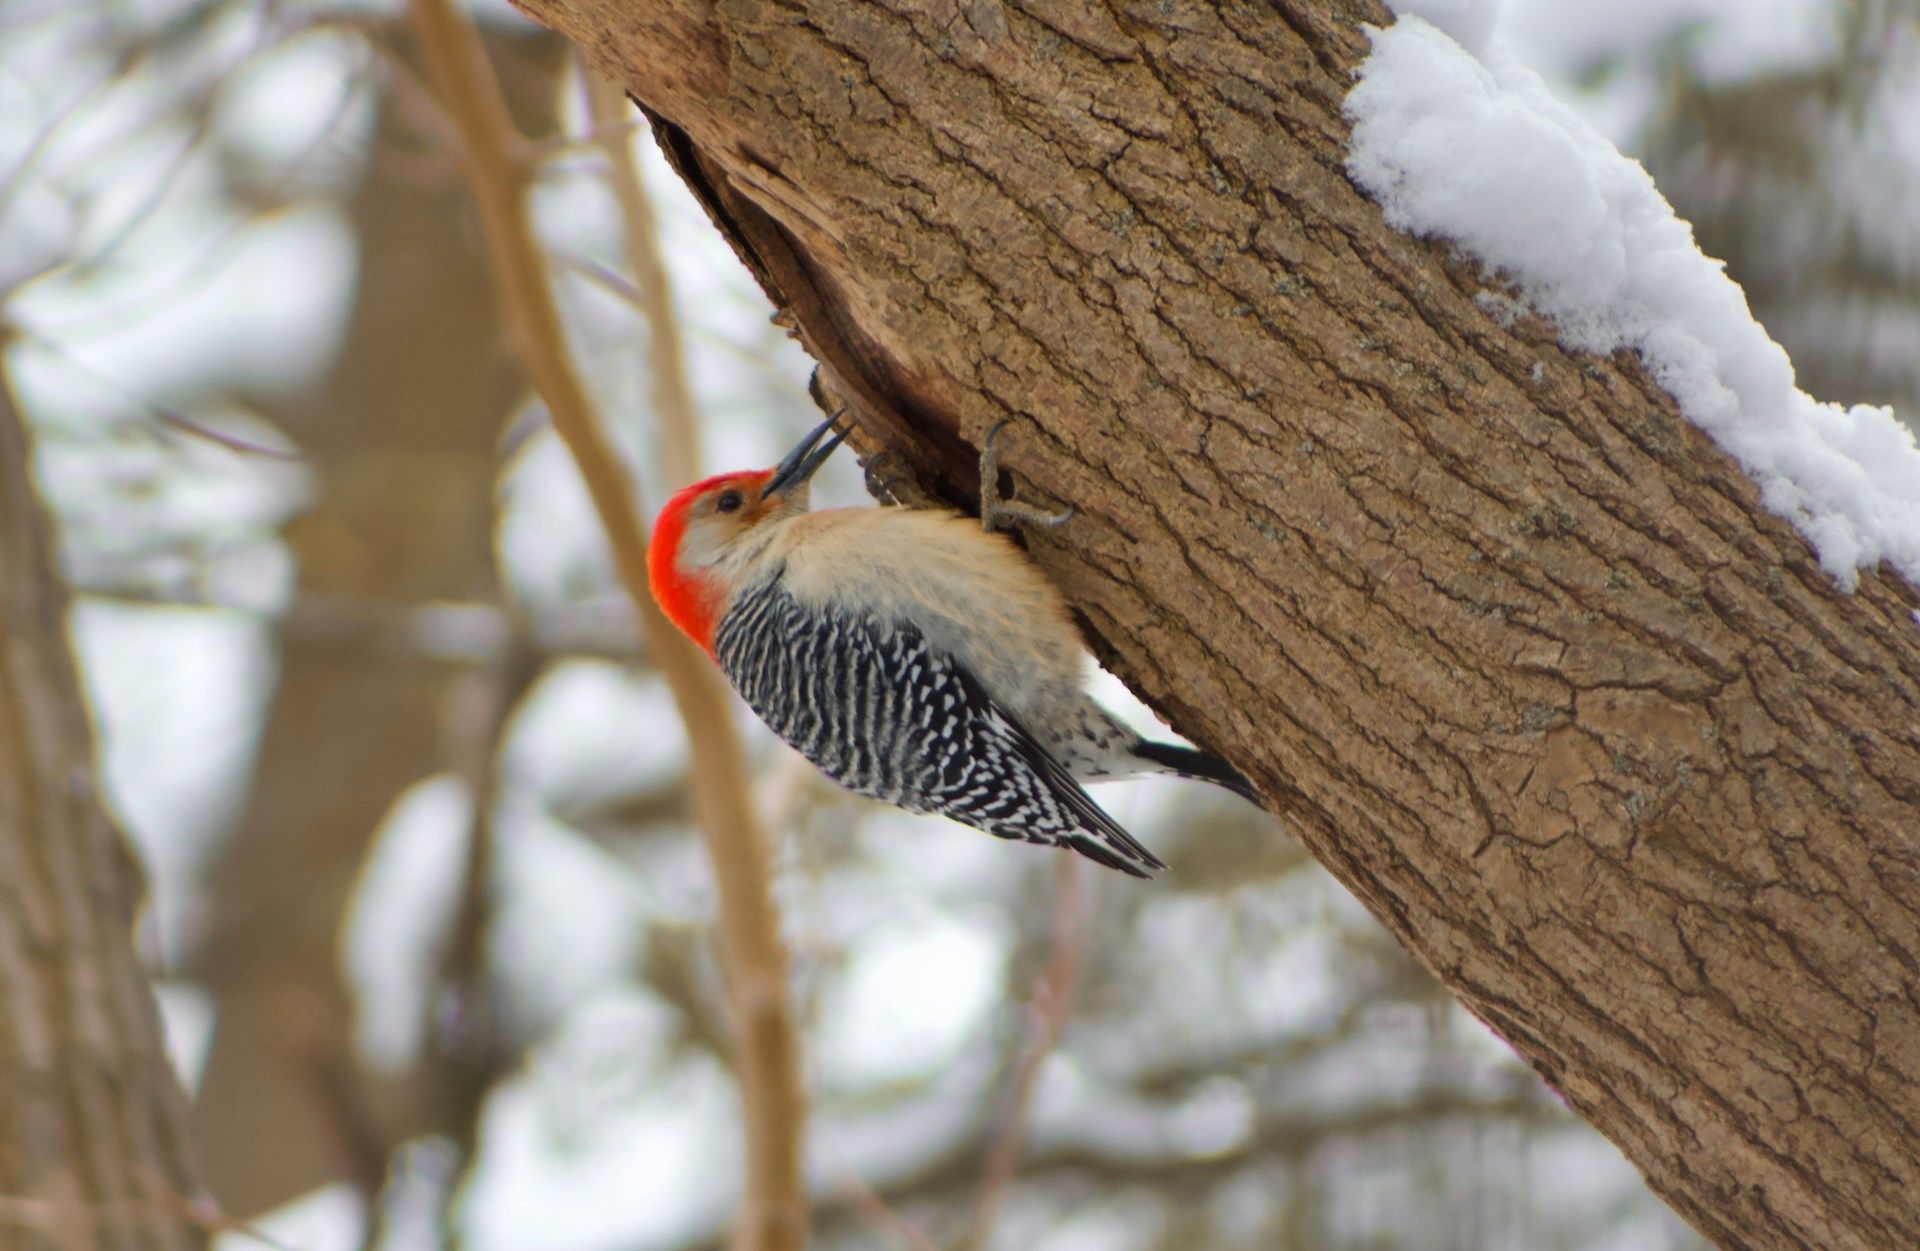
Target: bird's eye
x: 729, y: 501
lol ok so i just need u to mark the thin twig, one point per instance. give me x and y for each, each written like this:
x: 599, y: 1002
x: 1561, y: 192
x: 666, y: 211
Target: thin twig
x: 163, y: 417
x: 774, y: 1208
x: 1046, y: 1018
x: 464, y: 1012
x: 86, y: 97
x: 593, y: 139
x: 201, y: 267
x: 621, y: 288
x: 672, y: 397
x: 883, y: 1219
x: 82, y: 1224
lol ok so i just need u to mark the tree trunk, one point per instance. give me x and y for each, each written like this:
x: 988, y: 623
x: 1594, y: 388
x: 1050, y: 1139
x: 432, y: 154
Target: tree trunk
x: 92, y: 1145
x: 402, y: 436
x: 1506, y: 642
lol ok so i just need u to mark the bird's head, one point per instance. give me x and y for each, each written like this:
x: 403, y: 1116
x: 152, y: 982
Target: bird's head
x: 706, y: 538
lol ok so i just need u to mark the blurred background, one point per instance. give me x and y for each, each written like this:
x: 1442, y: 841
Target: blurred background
x: 432, y: 931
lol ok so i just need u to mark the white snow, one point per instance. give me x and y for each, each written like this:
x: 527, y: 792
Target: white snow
x: 907, y: 1001
x: 656, y: 1168
x: 328, y: 1219
x: 1455, y: 138
x: 176, y: 695
x: 396, y: 927
x: 186, y: 1023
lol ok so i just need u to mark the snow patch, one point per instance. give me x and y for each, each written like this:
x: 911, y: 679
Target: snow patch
x: 1455, y: 138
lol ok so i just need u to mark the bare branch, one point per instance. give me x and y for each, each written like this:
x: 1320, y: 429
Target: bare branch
x: 673, y: 408
x: 774, y: 1208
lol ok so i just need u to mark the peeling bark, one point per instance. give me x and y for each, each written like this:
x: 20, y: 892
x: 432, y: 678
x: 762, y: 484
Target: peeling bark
x: 1507, y: 643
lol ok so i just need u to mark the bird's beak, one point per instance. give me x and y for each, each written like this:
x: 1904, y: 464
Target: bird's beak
x: 805, y: 459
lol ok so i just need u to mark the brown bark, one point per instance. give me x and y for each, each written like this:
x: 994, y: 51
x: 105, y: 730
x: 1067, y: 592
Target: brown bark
x: 1509, y: 645
x: 93, y: 1149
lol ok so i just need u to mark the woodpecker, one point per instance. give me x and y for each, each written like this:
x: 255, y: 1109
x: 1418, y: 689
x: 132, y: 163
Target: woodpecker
x: 912, y: 655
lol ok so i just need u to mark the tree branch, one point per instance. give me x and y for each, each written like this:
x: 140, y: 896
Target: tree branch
x: 774, y: 1209
x: 93, y: 1141
x: 614, y: 120
x: 1046, y: 1020
x: 1514, y: 649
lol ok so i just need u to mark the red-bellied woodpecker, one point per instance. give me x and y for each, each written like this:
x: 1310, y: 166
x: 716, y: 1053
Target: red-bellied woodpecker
x: 913, y: 656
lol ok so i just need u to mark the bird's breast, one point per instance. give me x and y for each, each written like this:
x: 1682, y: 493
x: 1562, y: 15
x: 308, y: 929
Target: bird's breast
x: 972, y: 595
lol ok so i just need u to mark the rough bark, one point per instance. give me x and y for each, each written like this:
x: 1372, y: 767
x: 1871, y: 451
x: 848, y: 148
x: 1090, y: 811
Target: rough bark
x: 93, y: 1149
x: 1506, y: 643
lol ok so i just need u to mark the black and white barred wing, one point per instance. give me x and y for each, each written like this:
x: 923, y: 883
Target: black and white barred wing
x: 885, y: 715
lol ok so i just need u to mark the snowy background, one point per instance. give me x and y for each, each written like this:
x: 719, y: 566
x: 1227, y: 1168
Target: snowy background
x: 212, y: 217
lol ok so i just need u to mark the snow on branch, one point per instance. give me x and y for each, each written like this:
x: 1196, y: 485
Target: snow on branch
x: 1454, y: 138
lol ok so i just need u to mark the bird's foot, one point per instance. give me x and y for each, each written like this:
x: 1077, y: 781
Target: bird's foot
x: 1003, y: 514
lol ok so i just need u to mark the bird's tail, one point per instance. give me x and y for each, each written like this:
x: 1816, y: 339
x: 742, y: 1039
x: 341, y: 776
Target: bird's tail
x: 1188, y: 762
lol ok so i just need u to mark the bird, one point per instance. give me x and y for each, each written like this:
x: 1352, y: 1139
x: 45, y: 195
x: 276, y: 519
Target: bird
x: 914, y: 656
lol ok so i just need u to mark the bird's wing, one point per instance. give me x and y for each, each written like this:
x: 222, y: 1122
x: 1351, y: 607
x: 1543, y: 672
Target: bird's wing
x: 1062, y: 785
x: 880, y: 711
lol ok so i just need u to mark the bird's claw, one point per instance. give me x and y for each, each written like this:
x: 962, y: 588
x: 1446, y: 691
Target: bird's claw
x: 1003, y: 514
x: 879, y: 482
